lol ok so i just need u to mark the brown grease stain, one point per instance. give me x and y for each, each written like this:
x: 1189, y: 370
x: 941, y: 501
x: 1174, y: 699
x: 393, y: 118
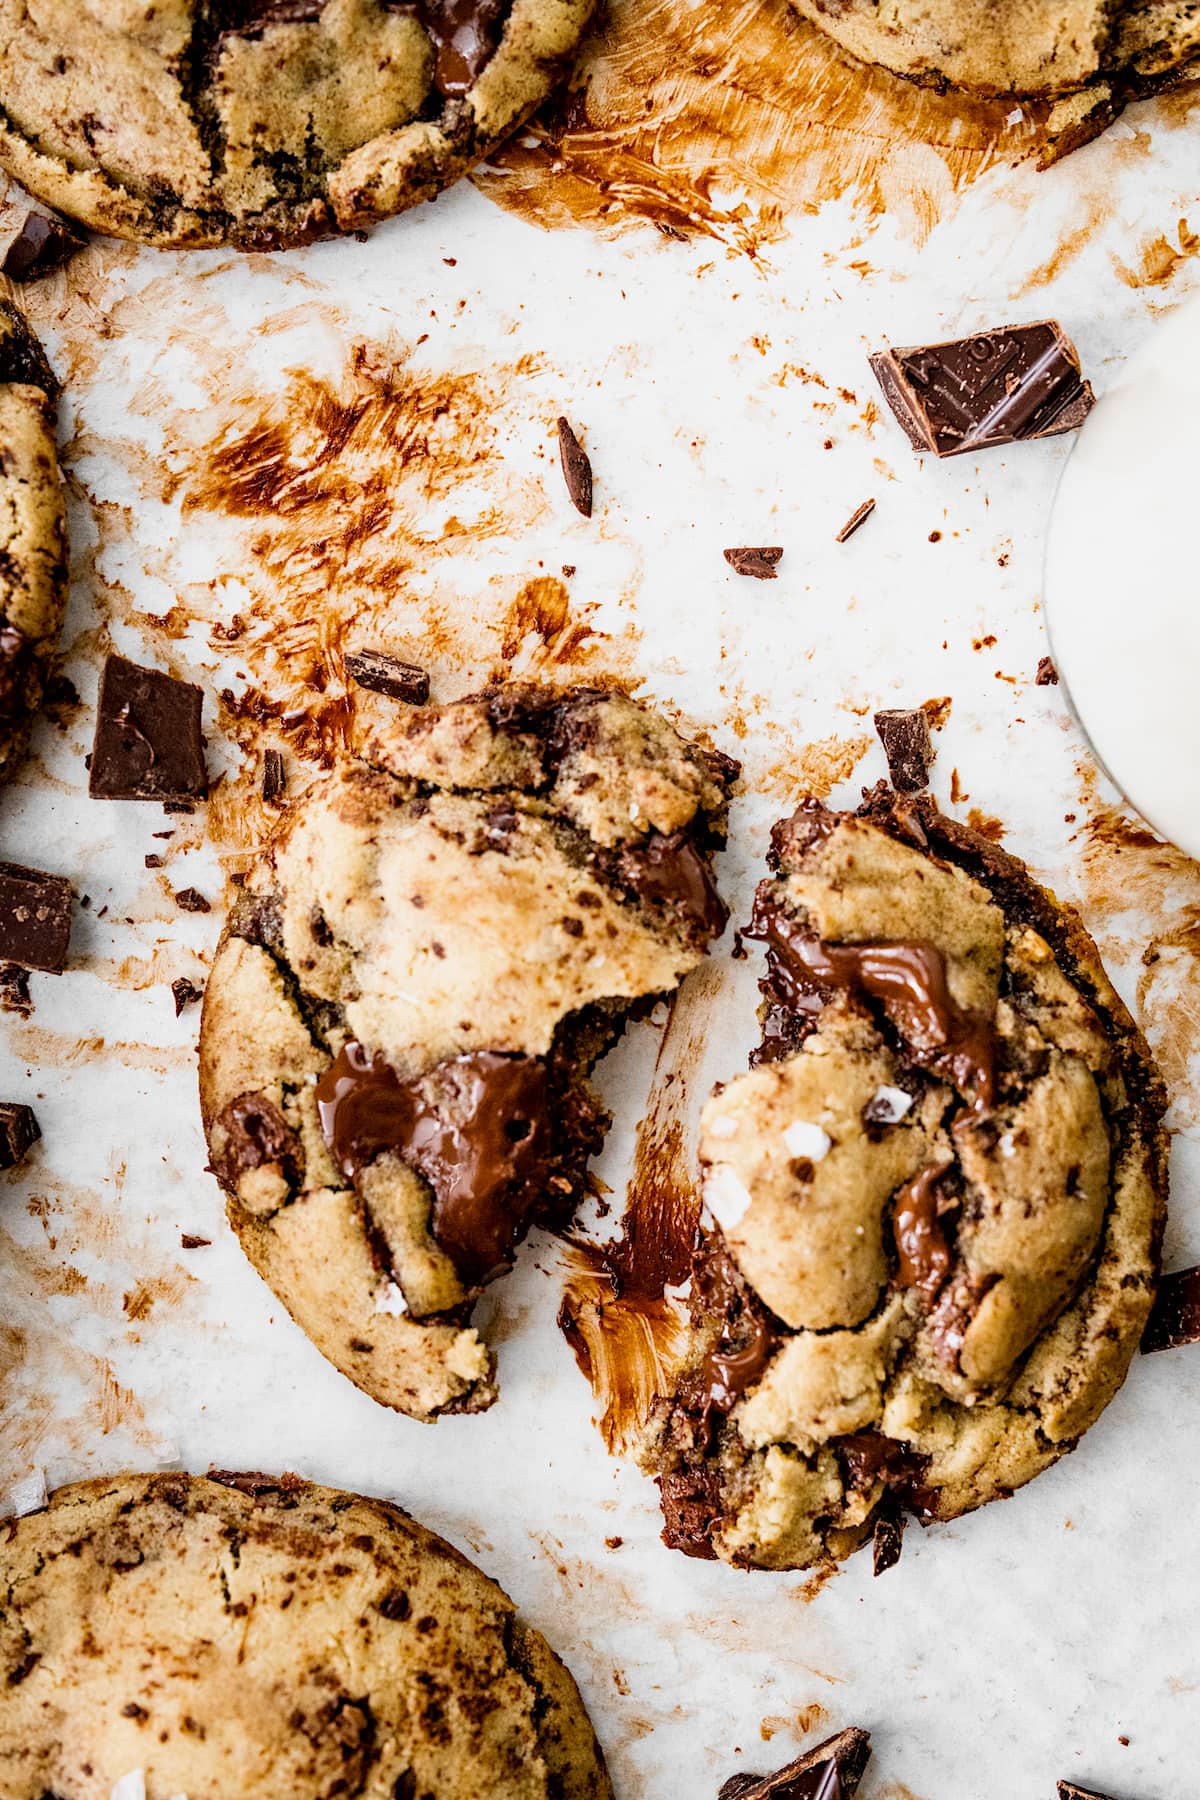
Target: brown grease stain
x: 803, y: 1721
x: 718, y: 121
x: 986, y: 825
x: 820, y: 766
x: 542, y: 609
x: 1160, y: 260
x: 627, y: 1333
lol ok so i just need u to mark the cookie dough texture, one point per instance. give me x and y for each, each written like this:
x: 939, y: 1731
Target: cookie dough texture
x: 469, y: 888
x: 1088, y: 55
x: 33, y: 533
x: 251, y: 1637
x: 936, y: 1354
x: 189, y: 122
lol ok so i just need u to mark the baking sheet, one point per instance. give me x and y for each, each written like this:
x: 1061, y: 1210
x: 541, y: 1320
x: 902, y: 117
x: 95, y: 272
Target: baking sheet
x: 269, y: 458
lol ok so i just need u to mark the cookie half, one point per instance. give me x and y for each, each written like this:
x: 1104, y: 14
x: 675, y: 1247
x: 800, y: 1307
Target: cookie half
x: 252, y: 1636
x: 938, y: 1199
x: 33, y: 533
x: 439, y: 944
x: 262, y: 123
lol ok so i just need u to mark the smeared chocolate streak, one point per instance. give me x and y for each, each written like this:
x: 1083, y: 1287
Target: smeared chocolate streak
x: 924, y: 1254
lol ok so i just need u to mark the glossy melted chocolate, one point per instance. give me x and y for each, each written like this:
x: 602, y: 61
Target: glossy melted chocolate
x: 924, y: 1254
x: 466, y: 34
x: 670, y: 872
x: 475, y: 1127
x: 741, y: 1352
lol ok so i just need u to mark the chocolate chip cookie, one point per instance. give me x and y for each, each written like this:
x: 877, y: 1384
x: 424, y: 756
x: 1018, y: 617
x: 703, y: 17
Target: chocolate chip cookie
x: 263, y: 123
x: 258, y: 1637
x: 33, y: 533
x: 442, y: 940
x: 937, y: 1199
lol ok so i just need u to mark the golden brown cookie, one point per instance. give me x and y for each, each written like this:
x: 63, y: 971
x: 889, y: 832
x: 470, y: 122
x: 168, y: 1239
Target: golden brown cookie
x: 937, y: 1199
x: 263, y: 123
x: 259, y: 1637
x: 440, y: 943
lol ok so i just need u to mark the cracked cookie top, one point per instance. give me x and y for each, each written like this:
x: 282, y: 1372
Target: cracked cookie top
x: 441, y: 941
x: 241, y: 1634
x: 938, y: 1197
x: 265, y: 122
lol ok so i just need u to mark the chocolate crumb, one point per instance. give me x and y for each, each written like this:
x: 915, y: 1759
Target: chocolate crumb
x: 18, y: 1131
x: 154, y: 860
x: 889, y: 1538
x: 186, y: 994
x: 274, y: 778
x: 858, y: 517
x: 192, y: 900
x: 1047, y: 674
x: 41, y: 246
x: 14, y: 990
x: 189, y: 1241
x: 385, y: 674
x: 904, y: 734
x: 576, y: 468
x: 1175, y: 1318
x: 758, y: 561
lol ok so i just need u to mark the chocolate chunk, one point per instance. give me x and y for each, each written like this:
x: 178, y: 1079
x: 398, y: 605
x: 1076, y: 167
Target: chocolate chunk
x: 475, y: 1126
x: 1175, y: 1319
x: 858, y: 517
x: 192, y: 900
x: 40, y: 246
x: 904, y: 734
x: 35, y: 918
x: 186, y: 994
x: 18, y: 1131
x: 923, y: 1255
x: 745, y: 1344
x: 691, y: 1505
x: 1047, y: 674
x: 670, y: 872
x: 576, y: 468
x: 14, y: 990
x: 465, y: 33
x: 257, y: 1135
x: 254, y: 1483
x: 888, y: 1536
x: 148, y: 744
x: 1068, y: 1791
x: 759, y: 562
x: 829, y: 1771
x: 274, y: 778
x: 388, y: 675
x: 21, y: 356
x: 189, y: 1241
x: 998, y: 387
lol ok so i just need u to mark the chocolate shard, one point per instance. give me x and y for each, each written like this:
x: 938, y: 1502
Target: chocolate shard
x: 14, y: 990
x: 904, y: 734
x: 829, y: 1771
x: 756, y: 560
x: 858, y: 517
x: 189, y: 1241
x: 1047, y: 674
x: 35, y: 918
x: 18, y: 1131
x: 1068, y: 1791
x: 22, y: 358
x: 998, y: 387
x: 186, y: 994
x: 388, y: 675
x: 888, y: 1536
x: 148, y: 743
x: 1175, y: 1319
x: 192, y: 900
x: 40, y: 246
x: 576, y: 468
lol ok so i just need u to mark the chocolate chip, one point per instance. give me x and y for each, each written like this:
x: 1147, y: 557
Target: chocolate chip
x: 40, y: 246
x: 14, y: 990
x: 191, y: 900
x: 186, y: 994
x: 35, y: 918
x: 189, y: 1241
x: 256, y: 1134
x: 148, y: 744
x: 669, y: 872
x: 274, y: 778
x: 388, y: 675
x: 1175, y: 1319
x: 858, y: 517
x: 829, y: 1771
x: 888, y: 1536
x: 1047, y: 674
x: 904, y: 734
x: 758, y: 561
x: 18, y: 1131
x: 576, y: 468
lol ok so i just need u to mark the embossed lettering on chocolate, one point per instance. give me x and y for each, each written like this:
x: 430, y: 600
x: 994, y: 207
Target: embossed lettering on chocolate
x: 936, y: 1201
x: 440, y: 942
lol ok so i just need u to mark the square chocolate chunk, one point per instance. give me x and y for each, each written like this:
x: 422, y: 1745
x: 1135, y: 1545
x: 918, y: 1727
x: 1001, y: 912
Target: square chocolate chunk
x: 35, y: 918
x: 18, y: 1131
x: 40, y: 246
x: 148, y: 743
x: 904, y: 734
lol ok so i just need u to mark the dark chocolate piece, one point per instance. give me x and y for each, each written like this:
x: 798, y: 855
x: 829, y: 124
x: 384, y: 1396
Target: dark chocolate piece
x: 691, y: 1506
x: 21, y: 356
x: 35, y: 918
x: 475, y: 1126
x: 274, y: 777
x: 758, y: 561
x: 40, y: 246
x: 192, y: 900
x: 999, y: 387
x: 904, y: 734
x: 388, y: 675
x: 829, y: 1771
x: 923, y: 1255
x: 466, y: 35
x: 858, y: 517
x: 257, y: 1135
x: 888, y: 1536
x: 14, y: 990
x: 1047, y: 674
x: 670, y: 872
x: 744, y: 1345
x: 1068, y: 1791
x: 1175, y: 1318
x: 18, y: 1131
x: 576, y: 468
x: 148, y: 743
x: 189, y: 1241
x: 186, y: 994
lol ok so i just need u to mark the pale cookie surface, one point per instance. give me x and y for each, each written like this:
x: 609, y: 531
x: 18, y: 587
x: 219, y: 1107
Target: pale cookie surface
x: 937, y: 1199
x: 265, y: 122
x: 441, y: 941
x: 33, y: 533
x: 252, y: 1637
